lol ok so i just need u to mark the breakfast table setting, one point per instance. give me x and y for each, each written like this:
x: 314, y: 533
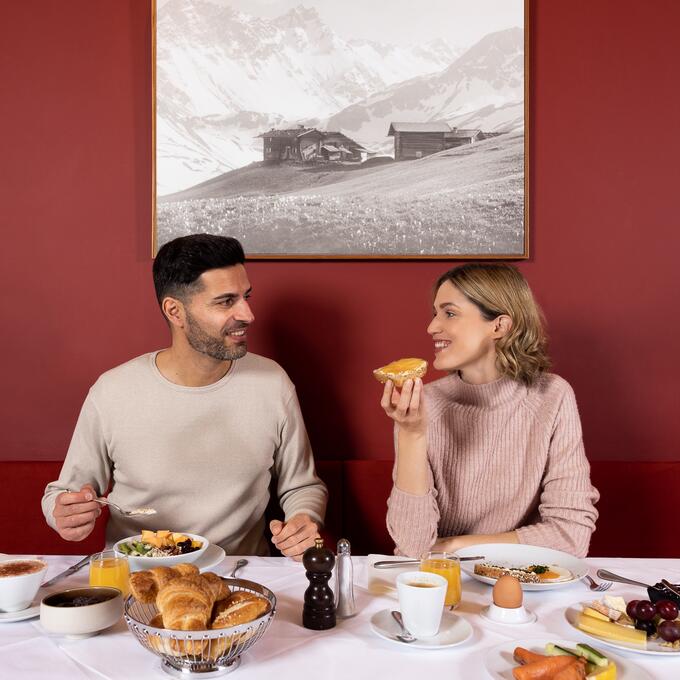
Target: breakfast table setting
x: 367, y: 643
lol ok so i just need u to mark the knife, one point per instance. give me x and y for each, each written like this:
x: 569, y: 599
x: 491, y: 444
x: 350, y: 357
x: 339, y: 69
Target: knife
x: 387, y: 564
x: 71, y: 570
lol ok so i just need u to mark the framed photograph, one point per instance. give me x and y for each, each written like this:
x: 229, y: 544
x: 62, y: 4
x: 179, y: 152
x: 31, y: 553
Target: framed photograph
x: 353, y: 129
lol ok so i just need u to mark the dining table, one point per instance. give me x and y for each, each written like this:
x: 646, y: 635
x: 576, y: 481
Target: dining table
x: 350, y: 650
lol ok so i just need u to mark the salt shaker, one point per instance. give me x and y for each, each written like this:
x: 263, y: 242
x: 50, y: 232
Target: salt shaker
x: 345, y: 606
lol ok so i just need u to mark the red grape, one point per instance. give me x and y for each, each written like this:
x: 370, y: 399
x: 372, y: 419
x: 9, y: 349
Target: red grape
x: 644, y: 610
x: 667, y: 609
x: 669, y: 630
x: 648, y: 626
x: 630, y: 609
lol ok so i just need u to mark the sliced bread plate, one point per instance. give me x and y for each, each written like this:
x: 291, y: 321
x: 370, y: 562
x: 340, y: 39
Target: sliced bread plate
x: 562, y: 569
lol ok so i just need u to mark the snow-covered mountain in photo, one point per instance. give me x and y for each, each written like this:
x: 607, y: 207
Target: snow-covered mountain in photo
x: 483, y: 88
x: 224, y: 76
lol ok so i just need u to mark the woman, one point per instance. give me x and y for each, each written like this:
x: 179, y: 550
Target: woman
x: 493, y: 452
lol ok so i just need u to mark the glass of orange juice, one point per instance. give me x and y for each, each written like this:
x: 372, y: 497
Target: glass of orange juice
x: 446, y: 565
x: 109, y: 569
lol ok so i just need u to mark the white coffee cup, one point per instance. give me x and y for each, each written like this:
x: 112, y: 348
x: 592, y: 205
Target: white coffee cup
x: 421, y: 601
x: 20, y: 579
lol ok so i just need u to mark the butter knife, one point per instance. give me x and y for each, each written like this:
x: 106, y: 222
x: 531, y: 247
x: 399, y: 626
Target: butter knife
x: 71, y: 570
x: 387, y: 564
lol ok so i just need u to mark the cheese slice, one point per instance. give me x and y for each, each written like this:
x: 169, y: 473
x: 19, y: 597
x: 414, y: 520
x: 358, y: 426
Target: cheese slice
x: 589, y: 611
x: 611, y: 631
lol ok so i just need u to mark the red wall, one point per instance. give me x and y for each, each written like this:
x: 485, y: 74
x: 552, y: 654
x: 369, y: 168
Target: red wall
x: 76, y: 295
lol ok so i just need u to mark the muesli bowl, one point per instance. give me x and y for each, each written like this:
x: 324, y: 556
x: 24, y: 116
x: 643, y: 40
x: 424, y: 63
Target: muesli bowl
x: 141, y: 562
x: 208, y: 653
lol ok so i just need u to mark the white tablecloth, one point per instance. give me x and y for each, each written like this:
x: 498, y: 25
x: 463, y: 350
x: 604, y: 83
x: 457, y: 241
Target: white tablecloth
x: 350, y: 650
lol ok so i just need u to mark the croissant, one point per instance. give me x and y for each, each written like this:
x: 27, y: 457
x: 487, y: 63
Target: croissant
x: 186, y: 604
x: 144, y: 585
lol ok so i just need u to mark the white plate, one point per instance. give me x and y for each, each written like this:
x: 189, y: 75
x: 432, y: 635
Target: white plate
x: 520, y: 555
x: 212, y: 556
x: 653, y: 646
x: 28, y: 613
x: 499, y: 663
x: 453, y: 631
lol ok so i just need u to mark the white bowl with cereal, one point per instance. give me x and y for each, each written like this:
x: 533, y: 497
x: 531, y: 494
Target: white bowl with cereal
x: 161, y: 549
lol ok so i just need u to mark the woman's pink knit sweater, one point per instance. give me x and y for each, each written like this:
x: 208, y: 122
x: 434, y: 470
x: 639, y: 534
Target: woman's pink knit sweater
x: 502, y: 456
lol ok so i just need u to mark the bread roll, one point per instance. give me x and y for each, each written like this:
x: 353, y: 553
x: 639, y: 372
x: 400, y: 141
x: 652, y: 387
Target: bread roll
x: 240, y: 607
x: 401, y: 370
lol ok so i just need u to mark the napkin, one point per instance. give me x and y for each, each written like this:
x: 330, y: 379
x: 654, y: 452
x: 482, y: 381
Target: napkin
x: 31, y: 658
x: 384, y: 581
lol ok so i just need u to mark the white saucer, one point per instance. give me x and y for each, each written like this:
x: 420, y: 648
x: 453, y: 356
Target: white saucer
x: 28, y: 613
x: 453, y: 631
x: 212, y: 556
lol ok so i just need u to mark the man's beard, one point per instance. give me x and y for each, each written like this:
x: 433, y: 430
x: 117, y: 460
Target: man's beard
x: 214, y: 347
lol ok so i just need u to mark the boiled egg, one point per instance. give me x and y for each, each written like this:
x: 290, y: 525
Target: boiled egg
x: 507, y: 592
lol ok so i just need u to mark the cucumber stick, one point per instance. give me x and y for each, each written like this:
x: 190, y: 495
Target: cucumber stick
x: 592, y: 655
x: 552, y: 649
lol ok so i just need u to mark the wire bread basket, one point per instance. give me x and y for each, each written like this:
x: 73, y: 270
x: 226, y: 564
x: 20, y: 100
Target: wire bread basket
x: 208, y: 653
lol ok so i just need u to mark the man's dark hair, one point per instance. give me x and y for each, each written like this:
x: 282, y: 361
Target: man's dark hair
x: 180, y: 262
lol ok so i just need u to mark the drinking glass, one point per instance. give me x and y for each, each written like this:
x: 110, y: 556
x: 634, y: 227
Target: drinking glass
x: 446, y: 565
x: 109, y: 569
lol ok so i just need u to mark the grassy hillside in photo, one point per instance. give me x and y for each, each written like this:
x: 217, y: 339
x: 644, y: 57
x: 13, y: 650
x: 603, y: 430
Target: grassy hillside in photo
x: 468, y: 200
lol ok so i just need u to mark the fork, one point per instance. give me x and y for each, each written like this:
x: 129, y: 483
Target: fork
x: 594, y: 585
x: 404, y: 636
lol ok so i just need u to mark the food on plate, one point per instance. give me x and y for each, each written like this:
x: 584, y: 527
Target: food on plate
x: 401, y: 370
x: 533, y: 573
x: 160, y: 544
x: 644, y: 618
x: 610, y: 630
x: 507, y: 592
x: 563, y: 663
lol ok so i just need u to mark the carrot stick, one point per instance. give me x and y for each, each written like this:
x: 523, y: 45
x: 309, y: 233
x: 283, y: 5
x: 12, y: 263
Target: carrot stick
x: 524, y: 656
x: 545, y: 669
x: 576, y: 671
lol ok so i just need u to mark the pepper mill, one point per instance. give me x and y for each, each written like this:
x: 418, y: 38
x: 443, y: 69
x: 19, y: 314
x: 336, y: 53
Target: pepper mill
x: 318, y: 612
x: 344, y: 591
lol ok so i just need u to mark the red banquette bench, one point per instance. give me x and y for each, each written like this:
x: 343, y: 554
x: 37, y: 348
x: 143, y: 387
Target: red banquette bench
x: 635, y: 517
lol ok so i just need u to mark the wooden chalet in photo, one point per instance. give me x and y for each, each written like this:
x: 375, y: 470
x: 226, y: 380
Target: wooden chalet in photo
x: 303, y: 144
x: 290, y: 145
x: 416, y: 140
x: 459, y: 137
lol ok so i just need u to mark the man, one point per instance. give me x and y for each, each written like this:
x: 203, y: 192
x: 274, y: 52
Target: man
x: 196, y: 431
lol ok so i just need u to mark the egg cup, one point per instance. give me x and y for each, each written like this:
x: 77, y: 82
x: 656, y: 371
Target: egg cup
x: 509, y: 617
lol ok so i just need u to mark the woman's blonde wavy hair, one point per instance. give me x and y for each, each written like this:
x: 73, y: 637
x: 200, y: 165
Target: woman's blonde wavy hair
x: 499, y: 288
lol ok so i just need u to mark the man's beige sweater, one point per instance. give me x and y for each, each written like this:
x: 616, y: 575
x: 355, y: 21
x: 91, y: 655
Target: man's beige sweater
x: 203, y: 457
x: 502, y: 456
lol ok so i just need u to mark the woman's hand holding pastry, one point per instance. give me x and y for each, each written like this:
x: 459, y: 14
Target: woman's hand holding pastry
x: 406, y: 408
x: 293, y: 537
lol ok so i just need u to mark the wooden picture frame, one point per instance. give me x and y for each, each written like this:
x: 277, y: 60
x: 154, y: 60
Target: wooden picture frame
x: 246, y: 141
